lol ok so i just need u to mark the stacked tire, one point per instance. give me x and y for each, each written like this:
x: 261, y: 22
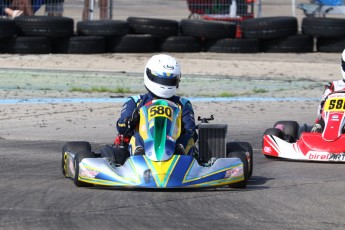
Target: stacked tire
x: 208, y: 33
x: 33, y: 34
x: 328, y: 32
x: 277, y: 34
x: 43, y: 35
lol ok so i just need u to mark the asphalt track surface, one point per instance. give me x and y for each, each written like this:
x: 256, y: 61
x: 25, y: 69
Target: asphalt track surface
x: 279, y: 195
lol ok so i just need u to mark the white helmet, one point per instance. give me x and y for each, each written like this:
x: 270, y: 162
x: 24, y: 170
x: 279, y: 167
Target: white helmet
x: 343, y: 64
x: 162, y: 75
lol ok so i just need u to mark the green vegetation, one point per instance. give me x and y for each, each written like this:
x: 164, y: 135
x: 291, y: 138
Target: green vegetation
x: 100, y: 90
x: 255, y: 90
x: 227, y: 94
x: 230, y: 94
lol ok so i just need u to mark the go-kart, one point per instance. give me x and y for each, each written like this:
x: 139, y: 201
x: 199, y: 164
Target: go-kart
x: 217, y: 164
x: 290, y: 141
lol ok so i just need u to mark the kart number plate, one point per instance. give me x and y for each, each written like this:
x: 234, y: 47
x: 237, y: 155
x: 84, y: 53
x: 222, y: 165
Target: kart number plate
x: 335, y: 104
x: 160, y: 111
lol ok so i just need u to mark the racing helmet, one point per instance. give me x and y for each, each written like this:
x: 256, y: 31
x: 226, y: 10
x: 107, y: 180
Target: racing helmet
x: 162, y: 75
x: 343, y: 64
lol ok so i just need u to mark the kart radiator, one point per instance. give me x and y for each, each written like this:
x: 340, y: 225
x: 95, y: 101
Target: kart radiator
x: 212, y: 141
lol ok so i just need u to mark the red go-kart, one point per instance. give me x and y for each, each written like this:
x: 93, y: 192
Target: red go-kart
x: 288, y: 140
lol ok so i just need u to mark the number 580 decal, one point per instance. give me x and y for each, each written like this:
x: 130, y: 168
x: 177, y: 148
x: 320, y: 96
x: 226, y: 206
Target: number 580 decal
x: 160, y: 111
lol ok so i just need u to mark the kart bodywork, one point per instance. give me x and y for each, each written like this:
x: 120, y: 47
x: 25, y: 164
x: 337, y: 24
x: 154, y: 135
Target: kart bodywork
x: 159, y: 167
x: 328, y: 146
x: 140, y: 171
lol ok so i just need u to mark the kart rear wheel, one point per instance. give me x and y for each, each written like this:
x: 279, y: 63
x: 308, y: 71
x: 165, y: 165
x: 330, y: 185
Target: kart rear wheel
x: 73, y: 146
x: 290, y: 128
x: 242, y: 156
x: 242, y: 147
x: 77, y: 159
x: 304, y: 128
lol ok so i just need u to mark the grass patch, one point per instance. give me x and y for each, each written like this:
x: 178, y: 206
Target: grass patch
x: 227, y: 94
x: 100, y: 90
x: 255, y: 90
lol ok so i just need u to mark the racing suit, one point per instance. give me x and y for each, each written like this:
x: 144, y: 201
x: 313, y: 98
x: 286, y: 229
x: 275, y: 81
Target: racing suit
x: 188, y: 135
x: 331, y: 87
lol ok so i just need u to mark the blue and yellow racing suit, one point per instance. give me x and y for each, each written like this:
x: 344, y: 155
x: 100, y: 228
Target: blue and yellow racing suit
x: 188, y: 135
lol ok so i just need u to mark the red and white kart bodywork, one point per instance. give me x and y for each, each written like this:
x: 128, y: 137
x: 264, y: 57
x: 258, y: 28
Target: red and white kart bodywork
x: 327, y: 146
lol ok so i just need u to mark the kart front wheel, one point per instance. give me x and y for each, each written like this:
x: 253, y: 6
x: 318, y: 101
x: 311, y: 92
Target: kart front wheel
x: 77, y: 159
x: 73, y: 146
x: 274, y: 132
x: 245, y: 147
x: 242, y: 156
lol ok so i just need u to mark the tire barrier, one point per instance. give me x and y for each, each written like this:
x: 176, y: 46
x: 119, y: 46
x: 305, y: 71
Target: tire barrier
x: 298, y: 43
x: 43, y: 34
x: 233, y: 45
x: 269, y: 27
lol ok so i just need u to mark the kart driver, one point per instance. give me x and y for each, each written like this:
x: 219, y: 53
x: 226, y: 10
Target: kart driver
x: 161, y: 78
x: 331, y: 87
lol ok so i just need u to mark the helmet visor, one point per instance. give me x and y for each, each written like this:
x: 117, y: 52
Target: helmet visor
x: 166, y: 79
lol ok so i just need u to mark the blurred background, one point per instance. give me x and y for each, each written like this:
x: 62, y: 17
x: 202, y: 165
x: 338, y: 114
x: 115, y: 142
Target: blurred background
x: 172, y: 9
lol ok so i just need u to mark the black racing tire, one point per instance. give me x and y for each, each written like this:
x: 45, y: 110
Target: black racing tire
x: 304, y: 128
x: 53, y: 27
x: 181, y: 44
x: 76, y: 146
x: 103, y: 28
x: 79, y: 45
x: 154, y: 26
x: 330, y: 45
x: 324, y: 27
x: 269, y: 27
x: 274, y: 132
x: 60, y: 45
x: 208, y: 29
x: 290, y: 128
x: 73, y: 146
x: 243, y: 158
x: 86, y: 45
x: 246, y: 148
x: 25, y: 45
x: 108, y: 152
x: 7, y: 28
x: 290, y: 44
x: 132, y: 43
x: 117, y: 155
x: 230, y: 45
x: 77, y: 159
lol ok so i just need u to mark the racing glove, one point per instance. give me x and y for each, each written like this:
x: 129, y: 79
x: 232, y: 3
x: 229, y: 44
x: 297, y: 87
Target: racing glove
x: 120, y: 140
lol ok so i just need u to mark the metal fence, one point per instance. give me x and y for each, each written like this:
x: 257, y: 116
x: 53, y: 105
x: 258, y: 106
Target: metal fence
x: 167, y: 9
